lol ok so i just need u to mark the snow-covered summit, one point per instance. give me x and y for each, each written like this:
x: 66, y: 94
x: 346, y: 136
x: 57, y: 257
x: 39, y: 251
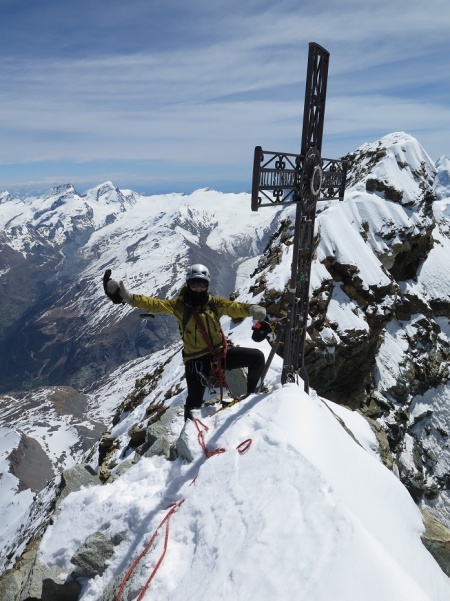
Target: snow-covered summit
x: 58, y: 216
x: 396, y: 166
x: 109, y: 194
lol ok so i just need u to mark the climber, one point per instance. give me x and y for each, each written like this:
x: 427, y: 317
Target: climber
x: 204, y: 345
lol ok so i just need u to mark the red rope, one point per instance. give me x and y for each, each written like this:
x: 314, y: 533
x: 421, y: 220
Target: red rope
x: 241, y: 448
x: 201, y: 440
x: 166, y: 519
x: 244, y: 446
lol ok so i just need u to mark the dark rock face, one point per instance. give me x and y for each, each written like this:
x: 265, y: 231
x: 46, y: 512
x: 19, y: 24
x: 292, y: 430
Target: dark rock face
x: 30, y: 464
x: 57, y: 591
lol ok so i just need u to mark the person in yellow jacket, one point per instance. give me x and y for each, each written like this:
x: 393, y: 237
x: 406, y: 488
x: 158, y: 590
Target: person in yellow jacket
x: 198, y: 314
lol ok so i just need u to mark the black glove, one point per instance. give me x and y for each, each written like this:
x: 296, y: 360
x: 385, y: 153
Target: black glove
x: 261, y: 329
x: 112, y: 288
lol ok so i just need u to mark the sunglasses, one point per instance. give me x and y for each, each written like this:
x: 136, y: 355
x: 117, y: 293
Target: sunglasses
x: 198, y: 283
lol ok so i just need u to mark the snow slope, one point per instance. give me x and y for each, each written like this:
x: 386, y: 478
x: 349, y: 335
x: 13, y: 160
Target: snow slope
x: 306, y: 513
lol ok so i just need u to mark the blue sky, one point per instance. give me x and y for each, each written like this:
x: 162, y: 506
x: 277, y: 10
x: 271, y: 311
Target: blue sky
x: 172, y: 96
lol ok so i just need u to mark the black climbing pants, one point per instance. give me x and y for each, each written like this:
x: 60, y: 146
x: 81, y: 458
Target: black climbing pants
x: 197, y: 372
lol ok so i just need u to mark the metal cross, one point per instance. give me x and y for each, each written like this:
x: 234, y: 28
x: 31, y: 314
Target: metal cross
x: 280, y: 178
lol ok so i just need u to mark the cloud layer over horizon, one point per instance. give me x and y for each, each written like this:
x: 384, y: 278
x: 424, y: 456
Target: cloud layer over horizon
x: 174, y: 97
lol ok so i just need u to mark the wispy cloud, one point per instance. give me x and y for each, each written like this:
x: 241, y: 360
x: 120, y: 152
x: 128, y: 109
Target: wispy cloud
x: 198, y: 85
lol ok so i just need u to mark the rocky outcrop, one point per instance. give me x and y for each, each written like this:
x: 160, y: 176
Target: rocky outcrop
x: 76, y: 477
x: 436, y: 539
x: 29, y: 580
x: 92, y: 556
x: 30, y: 464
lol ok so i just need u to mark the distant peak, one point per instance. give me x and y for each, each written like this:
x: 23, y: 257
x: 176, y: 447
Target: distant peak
x: 5, y: 197
x: 107, y: 191
x: 107, y: 186
x: 443, y: 162
x: 62, y: 189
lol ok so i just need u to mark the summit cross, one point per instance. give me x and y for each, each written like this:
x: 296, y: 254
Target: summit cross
x: 280, y: 178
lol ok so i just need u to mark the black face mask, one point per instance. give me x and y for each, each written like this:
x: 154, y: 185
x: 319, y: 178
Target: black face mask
x: 196, y: 299
x: 198, y: 283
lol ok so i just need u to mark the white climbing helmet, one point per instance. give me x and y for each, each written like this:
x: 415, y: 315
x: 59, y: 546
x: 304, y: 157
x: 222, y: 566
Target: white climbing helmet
x: 198, y: 271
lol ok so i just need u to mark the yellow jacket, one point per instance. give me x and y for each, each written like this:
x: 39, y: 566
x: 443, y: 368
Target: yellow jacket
x: 194, y: 346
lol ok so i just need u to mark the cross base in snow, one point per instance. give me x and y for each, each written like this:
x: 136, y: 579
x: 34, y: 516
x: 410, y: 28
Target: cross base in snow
x: 280, y: 178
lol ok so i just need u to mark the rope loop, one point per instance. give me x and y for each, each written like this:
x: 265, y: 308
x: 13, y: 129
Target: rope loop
x: 244, y: 446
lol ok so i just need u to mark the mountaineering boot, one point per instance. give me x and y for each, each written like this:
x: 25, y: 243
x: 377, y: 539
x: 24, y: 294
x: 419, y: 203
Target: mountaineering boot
x: 188, y: 414
x: 229, y: 402
x: 188, y: 411
x: 227, y: 399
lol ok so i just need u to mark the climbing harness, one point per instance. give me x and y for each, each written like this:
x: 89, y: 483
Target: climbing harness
x: 196, y: 367
x: 218, y: 361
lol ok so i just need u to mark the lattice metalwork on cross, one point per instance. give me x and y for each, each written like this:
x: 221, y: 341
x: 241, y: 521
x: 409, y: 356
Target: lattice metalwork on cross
x: 281, y: 178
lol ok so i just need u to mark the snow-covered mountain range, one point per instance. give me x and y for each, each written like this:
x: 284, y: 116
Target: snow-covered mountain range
x: 316, y: 503
x: 54, y: 250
